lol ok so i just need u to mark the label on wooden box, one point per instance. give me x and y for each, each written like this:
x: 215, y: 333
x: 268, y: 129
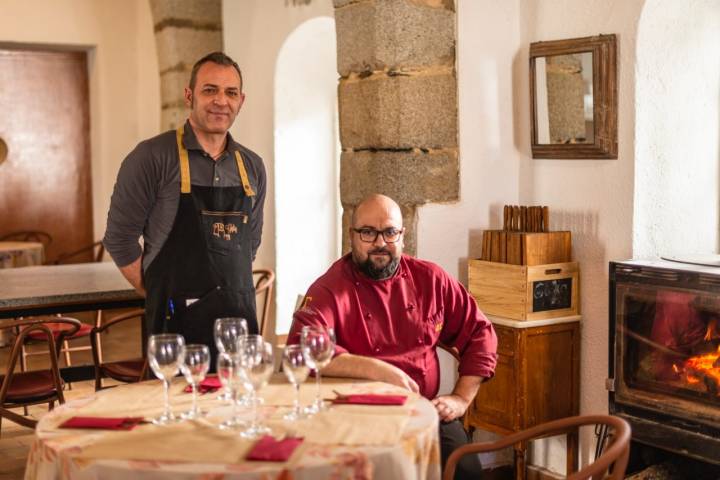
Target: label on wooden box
x: 551, y: 294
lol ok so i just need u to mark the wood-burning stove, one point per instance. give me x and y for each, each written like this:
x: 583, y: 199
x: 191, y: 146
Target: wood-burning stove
x: 664, y: 375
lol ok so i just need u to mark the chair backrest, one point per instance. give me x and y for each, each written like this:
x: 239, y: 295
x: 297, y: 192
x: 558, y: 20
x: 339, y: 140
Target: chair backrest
x: 97, y: 249
x: 613, y: 460
x: 29, y: 236
x: 25, y: 326
x: 100, y: 327
x: 264, y: 282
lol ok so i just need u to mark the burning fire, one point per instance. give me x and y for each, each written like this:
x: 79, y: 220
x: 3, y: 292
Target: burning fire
x: 704, y: 368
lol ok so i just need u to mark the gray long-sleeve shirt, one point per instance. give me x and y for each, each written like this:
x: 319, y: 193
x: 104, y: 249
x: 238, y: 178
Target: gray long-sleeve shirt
x: 147, y: 193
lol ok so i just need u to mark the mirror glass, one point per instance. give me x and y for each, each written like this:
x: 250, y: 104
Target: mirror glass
x: 564, y: 99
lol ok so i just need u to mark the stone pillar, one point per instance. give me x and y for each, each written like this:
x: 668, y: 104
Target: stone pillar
x: 185, y: 31
x: 398, y: 105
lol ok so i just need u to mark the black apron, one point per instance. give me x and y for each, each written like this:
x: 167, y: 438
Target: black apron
x: 205, y: 265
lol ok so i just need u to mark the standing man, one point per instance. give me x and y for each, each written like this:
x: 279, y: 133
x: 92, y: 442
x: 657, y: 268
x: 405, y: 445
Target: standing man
x: 196, y: 197
x: 390, y: 311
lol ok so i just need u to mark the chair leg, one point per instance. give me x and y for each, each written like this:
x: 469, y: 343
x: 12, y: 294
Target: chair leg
x: 23, y: 368
x: 66, y: 350
x: 68, y: 360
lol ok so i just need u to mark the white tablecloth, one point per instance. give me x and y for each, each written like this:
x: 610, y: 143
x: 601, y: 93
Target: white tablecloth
x: 384, y: 442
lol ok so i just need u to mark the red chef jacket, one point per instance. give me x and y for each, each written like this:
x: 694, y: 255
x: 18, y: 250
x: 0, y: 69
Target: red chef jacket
x: 401, y: 319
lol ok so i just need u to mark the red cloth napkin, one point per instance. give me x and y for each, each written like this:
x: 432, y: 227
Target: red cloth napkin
x: 107, y: 423
x: 268, y: 449
x: 210, y: 384
x: 371, y: 399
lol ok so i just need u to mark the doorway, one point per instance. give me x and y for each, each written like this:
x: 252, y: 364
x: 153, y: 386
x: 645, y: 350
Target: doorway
x: 45, y: 181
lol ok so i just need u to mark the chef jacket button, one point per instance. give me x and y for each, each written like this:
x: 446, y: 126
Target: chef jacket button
x: 377, y: 349
x: 368, y: 315
x: 357, y: 284
x: 420, y: 341
x: 404, y: 275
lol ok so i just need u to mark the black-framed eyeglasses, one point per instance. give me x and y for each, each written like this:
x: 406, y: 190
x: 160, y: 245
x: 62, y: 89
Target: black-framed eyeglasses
x: 369, y: 235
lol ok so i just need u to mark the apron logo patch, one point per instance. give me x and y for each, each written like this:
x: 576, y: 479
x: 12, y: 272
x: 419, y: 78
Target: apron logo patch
x: 439, y: 327
x: 224, y: 230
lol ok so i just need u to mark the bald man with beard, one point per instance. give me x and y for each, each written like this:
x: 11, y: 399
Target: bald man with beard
x: 390, y: 311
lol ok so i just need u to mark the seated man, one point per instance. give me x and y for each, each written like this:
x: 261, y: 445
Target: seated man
x: 390, y: 311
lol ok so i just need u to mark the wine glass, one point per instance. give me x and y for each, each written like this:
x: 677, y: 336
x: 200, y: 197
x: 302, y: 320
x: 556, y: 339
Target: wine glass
x: 296, y: 371
x: 318, y: 346
x: 230, y: 375
x: 194, y: 367
x: 227, y: 330
x: 257, y: 363
x: 165, y: 355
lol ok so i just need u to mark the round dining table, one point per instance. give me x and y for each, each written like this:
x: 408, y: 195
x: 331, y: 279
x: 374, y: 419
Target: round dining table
x: 342, y: 442
x: 21, y: 254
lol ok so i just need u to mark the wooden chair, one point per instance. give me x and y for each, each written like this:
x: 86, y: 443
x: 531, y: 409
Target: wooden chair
x: 98, y: 250
x: 128, y: 371
x: 264, y: 282
x: 612, y: 462
x: 41, y: 386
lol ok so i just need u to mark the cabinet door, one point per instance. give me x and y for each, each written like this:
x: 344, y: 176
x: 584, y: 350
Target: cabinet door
x: 496, y: 402
x: 552, y: 358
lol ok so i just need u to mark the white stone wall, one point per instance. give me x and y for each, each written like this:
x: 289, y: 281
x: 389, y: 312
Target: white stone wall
x: 677, y: 129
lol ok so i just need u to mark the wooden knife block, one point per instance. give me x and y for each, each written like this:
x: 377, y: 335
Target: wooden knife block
x: 526, y: 248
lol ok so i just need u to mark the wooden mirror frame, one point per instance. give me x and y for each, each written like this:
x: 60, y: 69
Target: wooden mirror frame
x: 605, y: 102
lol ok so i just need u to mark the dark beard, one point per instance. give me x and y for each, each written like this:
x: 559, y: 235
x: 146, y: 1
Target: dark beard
x: 369, y: 269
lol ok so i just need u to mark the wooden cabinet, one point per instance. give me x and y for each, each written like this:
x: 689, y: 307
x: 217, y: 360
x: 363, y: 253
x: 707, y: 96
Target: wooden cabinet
x: 536, y: 380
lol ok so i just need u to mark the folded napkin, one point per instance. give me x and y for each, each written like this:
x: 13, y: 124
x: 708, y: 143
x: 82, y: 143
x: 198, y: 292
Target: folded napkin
x: 370, y: 399
x: 268, y: 449
x: 210, y: 384
x: 107, y: 423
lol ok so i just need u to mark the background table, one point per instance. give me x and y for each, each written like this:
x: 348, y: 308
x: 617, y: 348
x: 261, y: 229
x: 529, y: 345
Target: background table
x: 21, y: 254
x: 350, y: 441
x: 51, y: 289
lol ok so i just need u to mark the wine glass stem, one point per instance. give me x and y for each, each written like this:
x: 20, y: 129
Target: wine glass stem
x: 318, y: 400
x: 234, y: 392
x: 296, y: 403
x: 194, y: 401
x: 166, y: 396
x: 253, y: 400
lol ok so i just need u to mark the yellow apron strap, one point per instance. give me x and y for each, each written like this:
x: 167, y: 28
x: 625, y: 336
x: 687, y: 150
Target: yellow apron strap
x: 243, y: 175
x: 184, y: 163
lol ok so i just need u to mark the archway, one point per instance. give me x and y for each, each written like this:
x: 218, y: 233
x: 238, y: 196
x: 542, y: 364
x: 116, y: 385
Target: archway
x: 307, y: 206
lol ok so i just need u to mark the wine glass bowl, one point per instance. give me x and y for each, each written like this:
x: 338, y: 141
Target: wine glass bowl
x: 227, y: 331
x: 318, y: 347
x: 165, y: 356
